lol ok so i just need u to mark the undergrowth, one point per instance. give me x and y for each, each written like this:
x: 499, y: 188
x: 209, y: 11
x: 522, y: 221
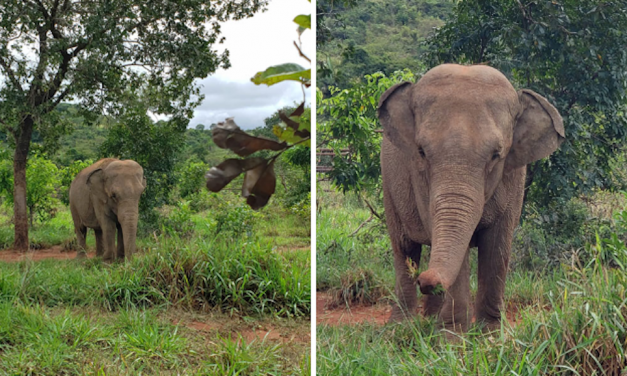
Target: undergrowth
x: 566, y: 297
x: 239, y: 277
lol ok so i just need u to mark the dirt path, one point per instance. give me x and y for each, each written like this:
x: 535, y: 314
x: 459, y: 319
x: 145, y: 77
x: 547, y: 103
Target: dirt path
x: 56, y: 252
x: 378, y: 313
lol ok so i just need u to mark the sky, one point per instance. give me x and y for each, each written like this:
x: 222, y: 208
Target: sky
x: 255, y: 44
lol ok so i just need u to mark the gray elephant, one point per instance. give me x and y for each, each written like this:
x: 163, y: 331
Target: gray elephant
x: 453, y: 156
x: 105, y: 197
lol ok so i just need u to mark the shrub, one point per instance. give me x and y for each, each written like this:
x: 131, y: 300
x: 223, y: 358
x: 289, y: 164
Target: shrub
x: 556, y: 233
x: 191, y: 179
x: 67, y: 175
x: 234, y: 219
x: 42, y: 180
x: 178, y: 222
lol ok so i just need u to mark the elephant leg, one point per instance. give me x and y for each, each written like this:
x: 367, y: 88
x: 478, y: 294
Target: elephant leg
x: 81, y: 235
x: 120, y: 242
x: 406, y: 295
x: 108, y: 237
x: 455, y: 311
x: 99, y: 243
x: 494, y: 251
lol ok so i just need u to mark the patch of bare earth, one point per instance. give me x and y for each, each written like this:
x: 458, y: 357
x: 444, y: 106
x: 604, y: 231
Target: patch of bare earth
x: 257, y: 330
x: 56, y: 252
x: 350, y: 315
x: 377, y: 313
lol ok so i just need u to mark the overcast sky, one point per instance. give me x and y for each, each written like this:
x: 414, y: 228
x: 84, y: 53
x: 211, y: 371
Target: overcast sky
x: 254, y: 44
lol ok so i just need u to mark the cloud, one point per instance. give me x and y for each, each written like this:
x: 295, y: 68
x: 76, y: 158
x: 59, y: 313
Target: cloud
x: 248, y: 103
x: 254, y: 44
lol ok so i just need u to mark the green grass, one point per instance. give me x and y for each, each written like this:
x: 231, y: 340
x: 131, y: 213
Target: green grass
x: 238, y: 277
x: 582, y: 329
x: 57, y: 231
x: 81, y: 317
x: 570, y: 319
x: 38, y: 340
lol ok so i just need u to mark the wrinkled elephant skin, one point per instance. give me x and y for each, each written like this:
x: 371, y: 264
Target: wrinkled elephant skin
x: 453, y: 159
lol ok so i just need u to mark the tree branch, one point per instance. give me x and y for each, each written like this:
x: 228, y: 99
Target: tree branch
x: 11, y: 74
x: 34, y: 94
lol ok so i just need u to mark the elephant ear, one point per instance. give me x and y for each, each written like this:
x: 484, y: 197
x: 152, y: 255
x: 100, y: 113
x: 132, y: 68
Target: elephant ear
x: 396, y: 116
x: 538, y: 131
x: 96, y: 184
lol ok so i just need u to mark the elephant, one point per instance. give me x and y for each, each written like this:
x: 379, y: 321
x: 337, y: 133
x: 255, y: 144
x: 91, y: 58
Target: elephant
x: 105, y: 196
x: 454, y: 152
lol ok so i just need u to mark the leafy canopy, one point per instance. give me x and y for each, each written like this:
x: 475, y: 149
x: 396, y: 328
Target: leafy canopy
x: 572, y: 52
x: 100, y: 52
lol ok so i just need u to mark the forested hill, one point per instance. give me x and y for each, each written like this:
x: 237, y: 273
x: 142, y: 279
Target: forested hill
x: 376, y: 35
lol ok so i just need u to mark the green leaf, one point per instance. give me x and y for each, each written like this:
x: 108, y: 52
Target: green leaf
x: 303, y: 20
x: 282, y: 72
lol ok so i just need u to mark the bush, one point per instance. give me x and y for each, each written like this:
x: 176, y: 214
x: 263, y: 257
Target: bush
x: 556, y: 233
x: 203, y: 200
x: 67, y: 175
x: 42, y: 180
x: 178, y: 222
x: 234, y: 219
x: 191, y: 179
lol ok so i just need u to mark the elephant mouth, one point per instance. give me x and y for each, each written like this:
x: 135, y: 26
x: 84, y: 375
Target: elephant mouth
x: 430, y: 282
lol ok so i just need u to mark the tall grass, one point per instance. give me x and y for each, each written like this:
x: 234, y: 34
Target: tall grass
x: 240, y: 277
x: 581, y: 330
x: 566, y: 315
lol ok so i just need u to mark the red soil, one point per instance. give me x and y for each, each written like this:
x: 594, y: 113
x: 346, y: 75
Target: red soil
x: 56, y: 252
x: 378, y: 313
x: 257, y: 333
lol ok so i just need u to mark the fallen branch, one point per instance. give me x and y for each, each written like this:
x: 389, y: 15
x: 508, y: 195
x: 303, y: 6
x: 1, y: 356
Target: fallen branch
x: 372, y: 211
x: 362, y: 225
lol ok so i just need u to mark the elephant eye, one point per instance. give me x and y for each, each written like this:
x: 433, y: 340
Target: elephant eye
x: 496, y: 155
x: 113, y: 196
x: 421, y: 152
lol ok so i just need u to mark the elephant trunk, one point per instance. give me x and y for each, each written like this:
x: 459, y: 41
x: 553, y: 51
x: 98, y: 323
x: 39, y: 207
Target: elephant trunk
x: 456, y: 208
x: 128, y: 222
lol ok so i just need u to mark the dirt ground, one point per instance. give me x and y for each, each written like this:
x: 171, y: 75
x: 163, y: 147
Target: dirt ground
x: 56, y: 252
x: 257, y: 330
x: 378, y: 313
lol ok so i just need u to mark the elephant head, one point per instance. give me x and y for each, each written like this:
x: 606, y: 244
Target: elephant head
x: 463, y: 129
x: 118, y: 187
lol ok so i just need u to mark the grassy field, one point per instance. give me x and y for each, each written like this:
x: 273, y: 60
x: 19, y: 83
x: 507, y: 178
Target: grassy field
x: 564, y: 318
x: 200, y: 303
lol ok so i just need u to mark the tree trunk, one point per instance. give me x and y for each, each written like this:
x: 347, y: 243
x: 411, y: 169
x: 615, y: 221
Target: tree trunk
x: 20, y: 210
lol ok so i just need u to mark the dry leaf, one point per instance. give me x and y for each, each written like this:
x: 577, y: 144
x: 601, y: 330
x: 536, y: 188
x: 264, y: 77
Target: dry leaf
x: 259, y: 185
x: 227, y: 135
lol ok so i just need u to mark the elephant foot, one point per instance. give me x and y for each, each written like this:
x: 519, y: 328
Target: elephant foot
x: 453, y: 336
x: 400, y: 314
x: 489, y: 326
x: 432, y: 304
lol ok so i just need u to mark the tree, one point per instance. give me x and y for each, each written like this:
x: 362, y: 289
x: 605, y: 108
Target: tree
x: 42, y: 177
x: 348, y: 119
x: 572, y: 52
x: 155, y: 146
x: 98, y: 53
